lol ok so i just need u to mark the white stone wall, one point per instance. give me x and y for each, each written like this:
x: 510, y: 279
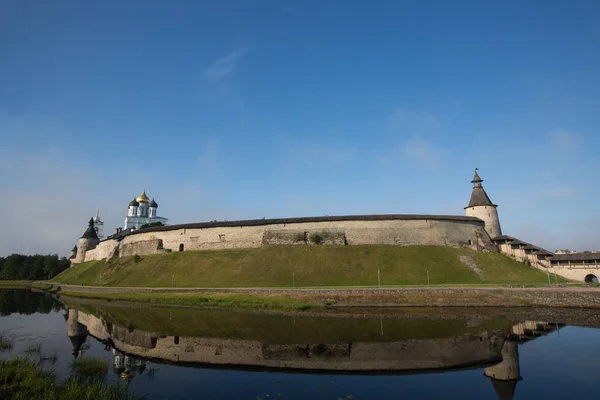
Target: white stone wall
x: 101, y: 251
x: 576, y: 272
x: 489, y: 215
x: 392, y: 232
x: 520, y: 254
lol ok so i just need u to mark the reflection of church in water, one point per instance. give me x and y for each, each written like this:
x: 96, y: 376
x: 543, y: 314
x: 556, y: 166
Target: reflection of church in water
x: 125, y: 366
x: 497, y: 353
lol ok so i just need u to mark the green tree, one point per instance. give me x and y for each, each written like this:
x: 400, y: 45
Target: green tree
x: 150, y: 225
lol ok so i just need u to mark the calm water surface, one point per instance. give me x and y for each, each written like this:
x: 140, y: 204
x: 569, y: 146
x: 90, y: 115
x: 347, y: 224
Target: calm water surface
x: 377, y: 354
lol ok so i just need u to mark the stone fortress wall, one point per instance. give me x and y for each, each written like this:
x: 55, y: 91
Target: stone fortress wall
x: 579, y: 267
x: 399, y: 230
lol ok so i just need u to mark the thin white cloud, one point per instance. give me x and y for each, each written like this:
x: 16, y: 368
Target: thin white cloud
x: 423, y: 153
x: 331, y: 154
x: 224, y: 66
x: 411, y: 121
x: 563, y: 140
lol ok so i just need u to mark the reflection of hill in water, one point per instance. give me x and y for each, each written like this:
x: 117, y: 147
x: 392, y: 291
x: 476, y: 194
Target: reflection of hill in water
x: 285, y: 329
x: 414, y: 349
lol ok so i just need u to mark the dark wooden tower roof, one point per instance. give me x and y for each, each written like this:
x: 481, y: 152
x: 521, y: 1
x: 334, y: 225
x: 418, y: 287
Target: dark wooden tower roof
x: 90, y: 232
x: 479, y: 197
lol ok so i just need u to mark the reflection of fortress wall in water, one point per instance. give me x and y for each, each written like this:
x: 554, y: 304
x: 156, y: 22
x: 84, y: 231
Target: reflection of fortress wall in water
x: 496, y: 352
x: 404, y: 355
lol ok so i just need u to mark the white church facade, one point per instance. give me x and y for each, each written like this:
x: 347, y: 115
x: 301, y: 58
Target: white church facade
x: 142, y: 211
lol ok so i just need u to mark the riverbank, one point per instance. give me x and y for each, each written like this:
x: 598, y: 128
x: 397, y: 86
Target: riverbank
x: 304, y: 299
x: 15, y: 284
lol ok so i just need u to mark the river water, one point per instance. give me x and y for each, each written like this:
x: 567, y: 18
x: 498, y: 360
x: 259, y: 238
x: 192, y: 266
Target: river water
x: 177, y: 353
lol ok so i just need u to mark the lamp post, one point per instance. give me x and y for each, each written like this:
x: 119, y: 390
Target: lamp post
x: 173, y: 280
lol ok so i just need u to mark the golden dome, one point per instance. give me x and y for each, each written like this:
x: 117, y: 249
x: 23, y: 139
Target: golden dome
x: 142, y: 198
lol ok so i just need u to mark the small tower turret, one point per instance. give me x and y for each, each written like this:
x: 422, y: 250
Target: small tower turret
x: 73, y: 253
x: 87, y: 241
x: 480, y: 206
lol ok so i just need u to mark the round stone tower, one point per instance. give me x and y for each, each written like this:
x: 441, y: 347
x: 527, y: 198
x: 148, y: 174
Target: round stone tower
x: 87, y: 241
x: 480, y: 206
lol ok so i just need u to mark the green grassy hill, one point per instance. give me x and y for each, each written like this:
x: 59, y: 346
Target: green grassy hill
x: 274, y: 266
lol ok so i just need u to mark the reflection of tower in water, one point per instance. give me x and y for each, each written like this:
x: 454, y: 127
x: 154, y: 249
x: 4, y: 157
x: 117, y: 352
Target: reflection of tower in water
x: 77, y: 332
x: 505, y: 374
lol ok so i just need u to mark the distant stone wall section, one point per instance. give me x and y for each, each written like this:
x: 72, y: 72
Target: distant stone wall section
x: 142, y: 247
x: 301, y: 237
x: 398, y: 230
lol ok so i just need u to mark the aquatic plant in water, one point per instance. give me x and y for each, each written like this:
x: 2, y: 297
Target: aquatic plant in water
x: 24, y: 378
x: 33, y: 349
x: 89, y: 369
x: 5, y: 344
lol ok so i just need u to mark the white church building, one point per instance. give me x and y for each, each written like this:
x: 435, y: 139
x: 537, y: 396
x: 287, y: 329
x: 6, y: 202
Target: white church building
x: 142, y: 211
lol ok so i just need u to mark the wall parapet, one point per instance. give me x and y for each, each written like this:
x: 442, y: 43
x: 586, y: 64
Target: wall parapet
x: 299, y: 220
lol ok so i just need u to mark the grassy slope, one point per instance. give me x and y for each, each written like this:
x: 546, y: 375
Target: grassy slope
x: 273, y: 266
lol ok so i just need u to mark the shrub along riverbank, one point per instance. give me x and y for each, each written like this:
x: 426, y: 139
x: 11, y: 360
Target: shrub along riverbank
x: 307, y: 266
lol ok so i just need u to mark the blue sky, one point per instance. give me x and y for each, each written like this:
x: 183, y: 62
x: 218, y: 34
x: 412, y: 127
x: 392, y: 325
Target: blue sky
x: 251, y: 109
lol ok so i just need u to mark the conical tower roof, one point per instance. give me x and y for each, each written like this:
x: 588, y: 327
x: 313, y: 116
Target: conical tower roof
x: 504, y: 389
x: 90, y: 232
x: 479, y: 197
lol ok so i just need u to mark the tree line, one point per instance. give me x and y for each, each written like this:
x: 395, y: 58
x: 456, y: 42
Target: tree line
x: 22, y: 267
x: 26, y: 302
